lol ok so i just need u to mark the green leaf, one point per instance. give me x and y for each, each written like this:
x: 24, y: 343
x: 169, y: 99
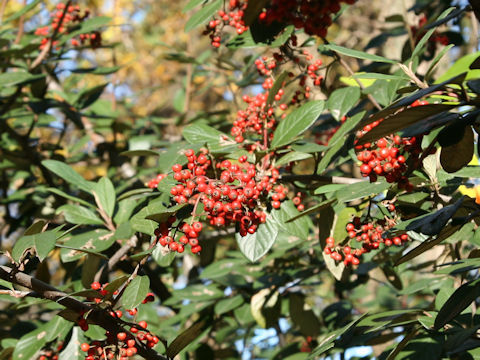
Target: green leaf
x: 72, y: 351
x: 266, y: 307
x: 30, y: 344
x: 296, y: 123
x: 342, y: 100
x: 68, y: 174
x: 277, y: 85
x: 97, y: 70
x: 185, y: 338
x: 204, y: 134
x: 203, y: 15
x: 135, y: 292
x: 88, y: 96
x: 90, y: 242
x: 21, y: 245
x: 356, y: 54
x: 401, y: 120
x: 69, y: 197
x: 35, y: 228
x: 79, y: 215
x: 299, y: 228
x: 163, y: 256
x: 44, y: 243
x: 18, y: 78
x: 360, y: 190
x: 461, y: 298
x: 302, y: 316
x: 254, y: 246
x: 328, y: 340
x: 460, y: 66
x: 105, y: 192
x: 226, y: 305
x: 293, y: 156
x: 192, y: 4
x: 455, y: 156
x: 221, y: 268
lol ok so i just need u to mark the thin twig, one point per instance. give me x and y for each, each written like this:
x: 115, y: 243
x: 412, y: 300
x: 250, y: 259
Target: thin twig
x: 315, y: 177
x: 49, y: 45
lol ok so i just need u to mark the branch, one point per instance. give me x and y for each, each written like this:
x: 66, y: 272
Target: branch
x: 97, y: 316
x: 119, y: 254
x: 327, y: 179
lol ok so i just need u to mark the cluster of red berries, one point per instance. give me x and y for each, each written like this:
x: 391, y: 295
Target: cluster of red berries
x: 370, y: 233
x: 261, y: 118
x: 236, y: 192
x: 388, y: 156
x: 314, y: 16
x: 166, y: 235
x: 49, y: 353
x: 122, y: 345
x: 63, y: 18
x: 232, y: 16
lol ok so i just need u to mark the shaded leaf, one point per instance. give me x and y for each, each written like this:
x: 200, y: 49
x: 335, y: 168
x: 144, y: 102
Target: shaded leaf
x: 185, y: 338
x: 456, y: 153
x: 342, y: 100
x: 68, y: 174
x: 461, y: 298
x: 79, y: 215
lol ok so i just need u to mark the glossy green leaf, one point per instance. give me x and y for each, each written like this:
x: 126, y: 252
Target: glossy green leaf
x: 356, y: 53
x: 203, y: 15
x: 105, y: 193
x: 228, y: 304
x: 79, y: 215
x: 136, y: 292
x: 68, y: 174
x: 254, y: 246
x: 461, y: 298
x: 342, y: 100
x: 296, y: 123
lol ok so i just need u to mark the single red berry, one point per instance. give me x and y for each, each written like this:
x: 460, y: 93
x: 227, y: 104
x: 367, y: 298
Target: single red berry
x: 85, y: 347
x: 142, y: 324
x: 96, y: 285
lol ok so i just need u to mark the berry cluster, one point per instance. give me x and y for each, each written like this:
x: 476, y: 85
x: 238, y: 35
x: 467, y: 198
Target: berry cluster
x: 390, y: 156
x: 122, y: 345
x: 232, y: 16
x: 261, y: 118
x: 370, y: 233
x: 168, y: 236
x: 314, y: 16
x: 65, y: 18
x: 231, y: 192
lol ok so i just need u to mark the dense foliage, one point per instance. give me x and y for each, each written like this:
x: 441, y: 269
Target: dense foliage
x: 239, y: 179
